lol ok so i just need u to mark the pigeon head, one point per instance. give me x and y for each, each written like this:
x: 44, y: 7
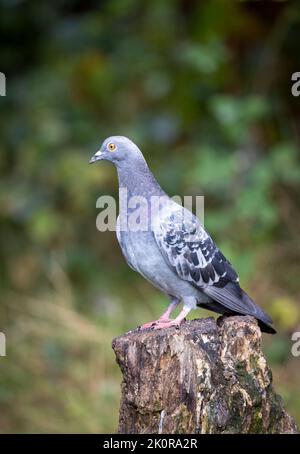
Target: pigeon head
x: 117, y: 149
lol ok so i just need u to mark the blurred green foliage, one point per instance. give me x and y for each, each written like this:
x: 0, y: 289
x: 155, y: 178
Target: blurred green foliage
x: 204, y: 89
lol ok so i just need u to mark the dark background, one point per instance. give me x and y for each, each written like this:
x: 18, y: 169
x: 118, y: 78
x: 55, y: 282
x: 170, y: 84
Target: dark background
x: 204, y: 88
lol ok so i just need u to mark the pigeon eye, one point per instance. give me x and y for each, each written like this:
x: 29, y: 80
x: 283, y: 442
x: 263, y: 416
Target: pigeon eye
x: 111, y: 146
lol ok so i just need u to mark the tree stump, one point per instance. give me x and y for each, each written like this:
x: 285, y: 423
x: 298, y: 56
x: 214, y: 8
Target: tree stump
x: 206, y: 377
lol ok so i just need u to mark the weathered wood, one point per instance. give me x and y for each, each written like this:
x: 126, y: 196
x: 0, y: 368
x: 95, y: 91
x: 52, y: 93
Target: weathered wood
x: 206, y: 377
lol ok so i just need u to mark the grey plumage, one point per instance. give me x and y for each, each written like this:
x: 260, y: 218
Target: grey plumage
x: 176, y: 254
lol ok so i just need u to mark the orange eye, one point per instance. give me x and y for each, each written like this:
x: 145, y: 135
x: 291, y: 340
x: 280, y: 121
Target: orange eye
x: 111, y: 146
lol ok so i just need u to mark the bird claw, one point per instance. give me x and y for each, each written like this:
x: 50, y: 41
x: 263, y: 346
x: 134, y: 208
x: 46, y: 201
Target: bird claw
x: 154, y: 323
x: 147, y: 325
x: 168, y: 324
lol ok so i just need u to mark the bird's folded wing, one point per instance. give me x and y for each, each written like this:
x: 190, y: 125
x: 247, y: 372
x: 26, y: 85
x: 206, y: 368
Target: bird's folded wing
x: 190, y: 251
x: 234, y: 298
x: 193, y: 255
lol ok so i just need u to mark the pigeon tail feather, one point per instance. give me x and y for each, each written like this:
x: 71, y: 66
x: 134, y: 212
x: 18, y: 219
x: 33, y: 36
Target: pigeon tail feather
x: 236, y: 300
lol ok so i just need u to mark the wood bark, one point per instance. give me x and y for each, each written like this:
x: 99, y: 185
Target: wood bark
x: 206, y: 377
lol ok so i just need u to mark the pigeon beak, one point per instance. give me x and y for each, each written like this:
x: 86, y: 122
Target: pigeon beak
x: 97, y: 156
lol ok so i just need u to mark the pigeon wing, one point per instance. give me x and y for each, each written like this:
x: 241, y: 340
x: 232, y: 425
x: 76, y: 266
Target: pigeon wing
x: 191, y: 252
x: 193, y: 255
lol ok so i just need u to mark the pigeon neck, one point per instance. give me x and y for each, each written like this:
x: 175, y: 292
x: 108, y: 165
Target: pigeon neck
x: 138, y: 180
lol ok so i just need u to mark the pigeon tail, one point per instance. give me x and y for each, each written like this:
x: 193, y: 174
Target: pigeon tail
x: 232, y: 297
x: 264, y: 320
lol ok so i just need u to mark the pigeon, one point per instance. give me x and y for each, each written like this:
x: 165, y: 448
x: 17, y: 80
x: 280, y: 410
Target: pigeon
x: 172, y: 250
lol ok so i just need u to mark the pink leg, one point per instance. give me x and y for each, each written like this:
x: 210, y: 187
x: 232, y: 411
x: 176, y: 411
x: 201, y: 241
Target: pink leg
x: 176, y: 322
x: 165, y: 316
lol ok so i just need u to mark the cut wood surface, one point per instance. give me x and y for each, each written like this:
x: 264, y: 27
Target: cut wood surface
x: 206, y: 377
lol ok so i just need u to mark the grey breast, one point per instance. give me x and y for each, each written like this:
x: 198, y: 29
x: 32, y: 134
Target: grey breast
x: 143, y: 255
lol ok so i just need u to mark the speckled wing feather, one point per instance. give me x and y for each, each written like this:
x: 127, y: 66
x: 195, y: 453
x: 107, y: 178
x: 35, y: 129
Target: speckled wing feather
x: 190, y: 250
x: 194, y: 256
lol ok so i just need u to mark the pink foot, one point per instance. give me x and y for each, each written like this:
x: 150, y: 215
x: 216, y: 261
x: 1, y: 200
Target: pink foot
x: 168, y: 324
x: 154, y: 323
